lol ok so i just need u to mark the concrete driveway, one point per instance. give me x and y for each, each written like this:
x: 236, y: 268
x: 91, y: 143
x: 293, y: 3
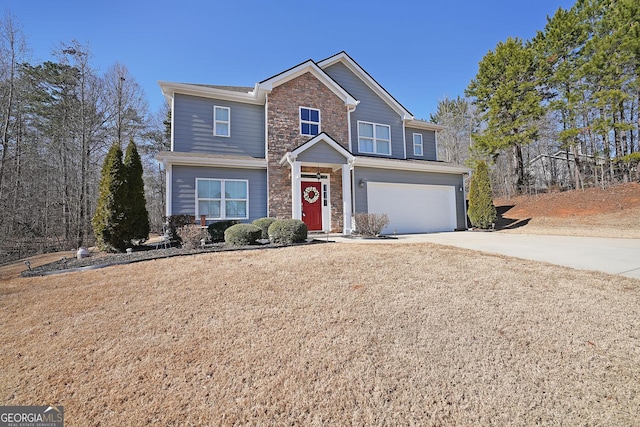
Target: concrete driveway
x: 613, y: 256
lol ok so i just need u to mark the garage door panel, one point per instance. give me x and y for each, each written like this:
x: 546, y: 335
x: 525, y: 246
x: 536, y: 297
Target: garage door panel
x: 413, y: 208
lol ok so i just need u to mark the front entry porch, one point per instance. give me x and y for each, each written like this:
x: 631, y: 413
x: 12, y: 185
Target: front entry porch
x: 321, y: 185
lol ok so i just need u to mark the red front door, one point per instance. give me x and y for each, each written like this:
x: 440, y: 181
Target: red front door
x: 312, y: 205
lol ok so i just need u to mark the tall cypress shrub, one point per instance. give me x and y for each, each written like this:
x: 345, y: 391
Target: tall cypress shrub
x: 109, y: 225
x: 482, y: 212
x: 136, y: 214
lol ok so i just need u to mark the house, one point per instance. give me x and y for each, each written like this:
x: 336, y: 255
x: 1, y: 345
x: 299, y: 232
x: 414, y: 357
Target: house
x: 557, y: 170
x: 319, y: 142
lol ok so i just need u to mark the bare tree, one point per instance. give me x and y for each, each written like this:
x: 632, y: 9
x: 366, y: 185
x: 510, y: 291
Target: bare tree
x: 127, y: 104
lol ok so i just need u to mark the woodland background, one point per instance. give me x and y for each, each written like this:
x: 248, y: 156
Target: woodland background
x: 572, y: 93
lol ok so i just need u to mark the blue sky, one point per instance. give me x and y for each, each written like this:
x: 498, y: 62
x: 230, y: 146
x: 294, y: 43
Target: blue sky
x: 420, y: 51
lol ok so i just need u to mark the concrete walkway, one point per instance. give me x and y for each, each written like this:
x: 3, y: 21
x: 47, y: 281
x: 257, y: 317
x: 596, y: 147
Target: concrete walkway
x: 613, y: 256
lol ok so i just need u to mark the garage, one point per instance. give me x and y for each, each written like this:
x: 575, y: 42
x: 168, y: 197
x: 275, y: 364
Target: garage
x: 413, y: 208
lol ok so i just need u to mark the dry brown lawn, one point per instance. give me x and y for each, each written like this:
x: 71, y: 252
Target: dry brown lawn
x: 326, y: 334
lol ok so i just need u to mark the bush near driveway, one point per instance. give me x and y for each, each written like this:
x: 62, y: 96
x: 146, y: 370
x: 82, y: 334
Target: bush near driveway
x: 370, y: 224
x: 288, y: 231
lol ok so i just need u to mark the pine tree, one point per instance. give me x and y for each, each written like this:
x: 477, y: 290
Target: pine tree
x: 506, y: 92
x: 109, y: 224
x: 482, y: 212
x: 137, y: 217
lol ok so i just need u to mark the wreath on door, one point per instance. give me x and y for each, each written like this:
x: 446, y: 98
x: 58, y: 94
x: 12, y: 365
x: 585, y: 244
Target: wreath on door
x: 311, y: 194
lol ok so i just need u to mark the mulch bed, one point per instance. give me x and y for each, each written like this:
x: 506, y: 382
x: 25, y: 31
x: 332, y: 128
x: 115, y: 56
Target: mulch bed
x: 139, y: 253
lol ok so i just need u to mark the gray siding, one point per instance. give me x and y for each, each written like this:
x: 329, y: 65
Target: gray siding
x: 322, y: 153
x: 193, y: 127
x: 183, y: 197
x: 428, y: 142
x: 408, y: 177
x: 371, y: 109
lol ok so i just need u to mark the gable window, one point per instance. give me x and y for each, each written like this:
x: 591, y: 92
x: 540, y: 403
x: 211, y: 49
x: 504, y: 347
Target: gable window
x: 221, y: 121
x: 417, y: 144
x: 374, y: 138
x: 309, y: 121
x: 222, y: 198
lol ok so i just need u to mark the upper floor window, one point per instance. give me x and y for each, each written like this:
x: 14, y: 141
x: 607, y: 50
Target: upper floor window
x: 222, y: 198
x: 417, y: 144
x: 221, y: 121
x: 374, y: 138
x: 309, y: 121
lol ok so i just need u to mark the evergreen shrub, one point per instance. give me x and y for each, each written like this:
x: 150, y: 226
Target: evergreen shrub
x: 264, y: 224
x: 288, y: 231
x: 242, y: 234
x: 482, y: 212
x: 216, y: 229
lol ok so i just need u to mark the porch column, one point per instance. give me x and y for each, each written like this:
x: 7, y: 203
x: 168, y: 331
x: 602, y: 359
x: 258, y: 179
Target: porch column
x: 346, y: 199
x: 296, y: 201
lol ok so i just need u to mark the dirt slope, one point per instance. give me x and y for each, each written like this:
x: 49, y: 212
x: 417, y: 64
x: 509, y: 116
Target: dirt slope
x: 609, y: 212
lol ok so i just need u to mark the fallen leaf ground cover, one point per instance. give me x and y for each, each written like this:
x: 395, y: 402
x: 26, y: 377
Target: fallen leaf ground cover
x: 325, y: 334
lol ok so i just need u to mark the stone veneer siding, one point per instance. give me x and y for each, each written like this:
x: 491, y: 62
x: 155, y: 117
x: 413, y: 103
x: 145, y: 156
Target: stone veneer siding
x: 283, y: 135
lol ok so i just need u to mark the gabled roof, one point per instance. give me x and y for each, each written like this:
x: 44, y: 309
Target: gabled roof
x: 355, y: 68
x: 307, y: 67
x: 320, y: 138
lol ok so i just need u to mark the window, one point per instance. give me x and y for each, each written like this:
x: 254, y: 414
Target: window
x: 309, y: 121
x: 221, y: 121
x: 222, y: 199
x: 417, y: 144
x: 374, y: 138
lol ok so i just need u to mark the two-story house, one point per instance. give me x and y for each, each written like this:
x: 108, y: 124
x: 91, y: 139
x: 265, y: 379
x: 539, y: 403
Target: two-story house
x: 319, y: 142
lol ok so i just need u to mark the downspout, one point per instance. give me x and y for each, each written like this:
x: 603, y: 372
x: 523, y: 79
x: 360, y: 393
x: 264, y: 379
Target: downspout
x: 464, y: 201
x: 266, y: 148
x: 349, y: 111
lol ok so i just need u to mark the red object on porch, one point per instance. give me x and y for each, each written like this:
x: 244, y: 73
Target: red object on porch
x: 203, y: 220
x: 312, y: 204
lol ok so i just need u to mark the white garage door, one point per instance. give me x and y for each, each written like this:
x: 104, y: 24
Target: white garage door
x: 413, y: 208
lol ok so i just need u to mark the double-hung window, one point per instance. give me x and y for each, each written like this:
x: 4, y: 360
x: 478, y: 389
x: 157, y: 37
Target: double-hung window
x: 417, y: 144
x: 222, y: 198
x: 374, y: 138
x: 309, y: 121
x: 221, y: 121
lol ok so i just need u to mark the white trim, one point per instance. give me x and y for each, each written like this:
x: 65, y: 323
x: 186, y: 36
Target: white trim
x: 309, y: 122
x: 266, y: 146
x: 374, y: 139
x: 292, y: 155
x: 421, y: 124
x: 404, y: 140
x: 222, y: 199
x: 173, y: 122
x: 307, y: 67
x: 200, y: 159
x: 169, y: 188
x: 408, y: 165
x: 347, y: 208
x: 435, y: 141
x: 216, y: 121
x: 296, y: 200
x: 421, y: 144
x: 349, y: 111
x: 169, y: 89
